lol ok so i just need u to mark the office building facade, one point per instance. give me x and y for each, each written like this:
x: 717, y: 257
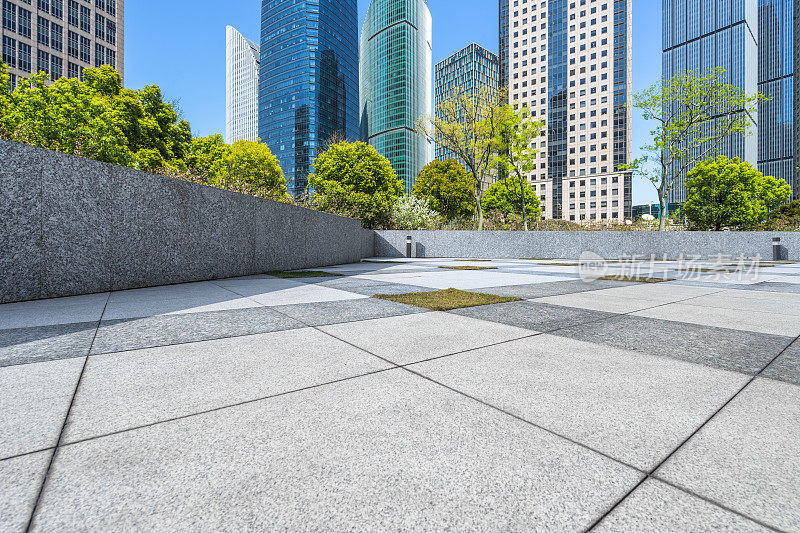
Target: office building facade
x: 308, y: 81
x: 471, y: 70
x: 62, y: 37
x: 241, y: 87
x: 569, y: 62
x: 776, y: 66
x: 395, y: 79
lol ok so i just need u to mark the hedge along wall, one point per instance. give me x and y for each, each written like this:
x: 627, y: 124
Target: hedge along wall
x: 74, y: 226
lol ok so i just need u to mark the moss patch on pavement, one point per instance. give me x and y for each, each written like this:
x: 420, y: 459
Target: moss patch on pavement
x: 467, y: 267
x: 446, y: 300
x: 634, y: 279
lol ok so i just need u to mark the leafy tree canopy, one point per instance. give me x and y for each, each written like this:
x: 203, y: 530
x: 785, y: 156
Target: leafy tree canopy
x: 505, y: 196
x: 356, y: 179
x: 447, y: 187
x: 249, y: 167
x: 726, y: 192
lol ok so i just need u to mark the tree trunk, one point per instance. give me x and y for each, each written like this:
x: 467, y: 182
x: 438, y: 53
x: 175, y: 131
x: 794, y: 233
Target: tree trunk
x: 662, y: 220
x: 524, y: 211
x: 480, y: 216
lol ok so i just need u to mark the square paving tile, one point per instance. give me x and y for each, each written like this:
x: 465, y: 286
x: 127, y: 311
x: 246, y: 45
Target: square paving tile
x: 728, y: 349
x: 747, y: 457
x: 323, y: 313
x: 34, y: 400
x: 367, y: 287
x: 735, y: 301
x: 51, y: 312
x: 130, y: 389
x: 45, y: 343
x: 657, y: 507
x: 632, y: 407
x: 386, y: 452
x: 556, y: 288
x: 163, y: 330
x: 20, y: 480
x: 787, y: 366
x: 533, y: 316
x: 600, y: 301
x: 276, y: 291
x: 411, y: 338
x: 769, y: 323
x: 463, y: 280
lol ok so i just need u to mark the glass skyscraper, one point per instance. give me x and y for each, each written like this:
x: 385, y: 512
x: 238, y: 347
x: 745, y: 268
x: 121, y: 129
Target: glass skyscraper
x: 700, y: 36
x: 776, y: 81
x: 241, y: 87
x: 308, y: 82
x: 395, y: 77
x: 472, y: 70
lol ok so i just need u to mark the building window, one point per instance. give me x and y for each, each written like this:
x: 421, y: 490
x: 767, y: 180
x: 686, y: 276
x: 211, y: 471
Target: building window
x: 44, y: 5
x: 72, y: 44
x: 43, y: 31
x: 86, y: 49
x: 99, y: 55
x: 99, y: 26
x: 42, y: 61
x: 24, y: 24
x: 111, y: 7
x: 9, y: 51
x: 72, y: 13
x: 74, y: 71
x: 56, y: 67
x: 111, y: 32
x: 24, y: 60
x: 9, y: 16
x: 111, y: 58
x: 57, y: 9
x: 86, y: 19
x: 56, y: 37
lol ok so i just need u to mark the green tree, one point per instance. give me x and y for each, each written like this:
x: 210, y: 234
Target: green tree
x: 411, y: 212
x: 447, y: 188
x: 465, y: 124
x: 505, y: 196
x: 516, y: 138
x: 355, y: 179
x: 250, y: 168
x: 726, y: 192
x: 205, y: 152
x: 693, y: 116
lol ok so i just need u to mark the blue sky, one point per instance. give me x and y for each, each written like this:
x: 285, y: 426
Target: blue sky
x: 182, y: 49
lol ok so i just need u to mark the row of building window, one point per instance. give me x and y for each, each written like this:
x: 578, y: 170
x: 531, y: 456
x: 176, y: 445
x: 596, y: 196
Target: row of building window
x: 20, y: 20
x: 18, y: 55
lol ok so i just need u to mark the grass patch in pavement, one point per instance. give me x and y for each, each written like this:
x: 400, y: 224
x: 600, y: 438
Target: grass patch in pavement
x: 446, y: 300
x: 474, y: 260
x: 560, y: 264
x: 467, y: 267
x: 633, y: 279
x: 294, y: 274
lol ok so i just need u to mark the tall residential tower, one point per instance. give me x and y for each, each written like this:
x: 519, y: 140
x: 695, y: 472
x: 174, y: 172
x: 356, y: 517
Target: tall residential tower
x: 570, y: 63
x: 241, y: 87
x: 395, y: 78
x: 62, y: 37
x: 308, y: 82
x: 471, y: 70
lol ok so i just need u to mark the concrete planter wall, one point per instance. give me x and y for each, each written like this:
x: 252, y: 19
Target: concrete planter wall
x: 571, y: 244
x: 73, y: 226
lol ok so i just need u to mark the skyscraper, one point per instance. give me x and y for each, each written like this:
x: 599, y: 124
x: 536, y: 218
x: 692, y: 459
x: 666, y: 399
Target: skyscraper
x: 776, y: 65
x: 395, y: 78
x: 570, y: 63
x: 62, y: 37
x: 472, y: 70
x: 241, y: 87
x: 701, y: 36
x: 308, y: 82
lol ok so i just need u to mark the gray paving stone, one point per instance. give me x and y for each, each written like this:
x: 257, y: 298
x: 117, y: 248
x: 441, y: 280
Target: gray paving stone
x: 727, y: 349
x: 368, y: 287
x: 772, y: 286
x: 635, y: 408
x: 657, y: 507
x: 533, y: 316
x: 124, y: 390
x: 747, y: 457
x: 323, y: 313
x: 33, y: 401
x: 787, y: 366
x: 52, y: 311
x: 386, y: 452
x: 45, y: 343
x: 163, y: 330
x: 738, y: 319
x: 541, y: 290
x: 20, y: 480
x: 412, y: 338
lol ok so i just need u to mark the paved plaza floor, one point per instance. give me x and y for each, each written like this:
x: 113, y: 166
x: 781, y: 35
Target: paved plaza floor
x: 262, y: 403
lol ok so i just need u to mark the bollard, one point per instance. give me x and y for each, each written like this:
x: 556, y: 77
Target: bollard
x: 776, y: 249
x: 408, y: 246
